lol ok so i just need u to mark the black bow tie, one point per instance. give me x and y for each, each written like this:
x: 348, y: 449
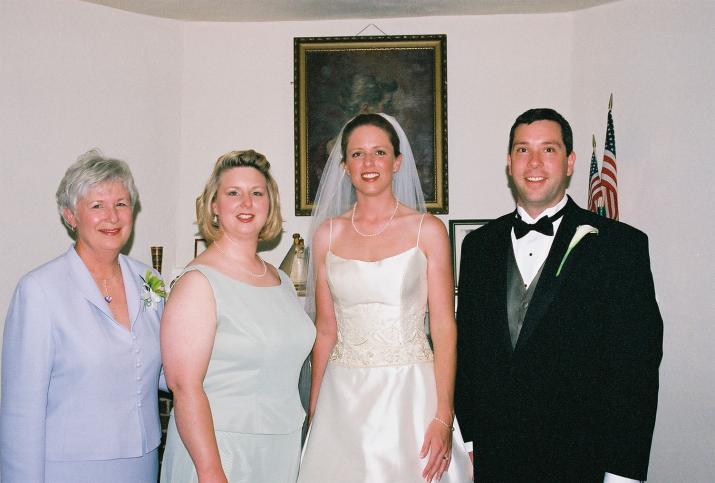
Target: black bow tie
x: 545, y: 225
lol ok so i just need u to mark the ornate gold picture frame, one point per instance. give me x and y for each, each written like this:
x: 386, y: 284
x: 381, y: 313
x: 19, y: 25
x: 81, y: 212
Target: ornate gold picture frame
x: 336, y: 78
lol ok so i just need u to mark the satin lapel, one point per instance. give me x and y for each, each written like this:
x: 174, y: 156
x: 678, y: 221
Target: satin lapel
x: 549, y: 284
x: 84, y: 283
x: 500, y: 256
x: 132, y: 288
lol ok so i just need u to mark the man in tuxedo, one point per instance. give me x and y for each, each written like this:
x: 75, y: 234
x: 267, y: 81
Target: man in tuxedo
x: 560, y: 335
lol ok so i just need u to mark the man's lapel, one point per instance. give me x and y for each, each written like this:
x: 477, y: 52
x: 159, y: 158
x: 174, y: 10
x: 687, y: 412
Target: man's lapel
x: 549, y: 284
x: 500, y: 269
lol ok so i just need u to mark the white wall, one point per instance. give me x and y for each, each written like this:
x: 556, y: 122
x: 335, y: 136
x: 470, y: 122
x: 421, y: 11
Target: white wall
x: 75, y: 76
x: 238, y: 93
x: 171, y: 97
x: 658, y: 59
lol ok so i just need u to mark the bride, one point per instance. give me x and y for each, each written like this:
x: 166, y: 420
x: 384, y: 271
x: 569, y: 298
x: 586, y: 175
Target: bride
x: 381, y: 405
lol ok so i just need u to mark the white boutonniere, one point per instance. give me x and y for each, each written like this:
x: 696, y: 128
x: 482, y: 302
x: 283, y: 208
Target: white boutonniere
x: 581, y: 231
x: 153, y: 290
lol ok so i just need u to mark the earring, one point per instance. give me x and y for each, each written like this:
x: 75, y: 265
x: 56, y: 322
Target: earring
x: 214, y: 220
x: 74, y: 228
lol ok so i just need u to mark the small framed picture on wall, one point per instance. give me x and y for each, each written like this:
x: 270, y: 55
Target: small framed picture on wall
x: 458, y: 229
x: 199, y: 246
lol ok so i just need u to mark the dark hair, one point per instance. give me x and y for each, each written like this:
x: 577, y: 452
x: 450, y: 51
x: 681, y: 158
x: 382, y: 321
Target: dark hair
x: 544, y: 114
x: 370, y: 120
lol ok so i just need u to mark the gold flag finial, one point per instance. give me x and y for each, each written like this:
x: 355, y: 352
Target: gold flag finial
x: 610, y: 102
x: 594, y: 143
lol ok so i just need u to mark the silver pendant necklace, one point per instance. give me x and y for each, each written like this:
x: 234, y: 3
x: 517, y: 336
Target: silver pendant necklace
x: 107, y: 294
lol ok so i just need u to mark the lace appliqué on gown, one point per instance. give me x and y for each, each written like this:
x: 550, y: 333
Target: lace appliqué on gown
x: 373, y: 335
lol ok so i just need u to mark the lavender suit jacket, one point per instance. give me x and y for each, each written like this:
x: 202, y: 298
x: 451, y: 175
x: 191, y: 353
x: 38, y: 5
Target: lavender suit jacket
x: 76, y: 385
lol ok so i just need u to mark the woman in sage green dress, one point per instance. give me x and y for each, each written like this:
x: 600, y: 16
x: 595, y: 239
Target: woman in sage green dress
x: 233, y: 338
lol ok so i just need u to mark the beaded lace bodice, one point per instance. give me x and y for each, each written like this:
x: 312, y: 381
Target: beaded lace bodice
x: 380, y: 309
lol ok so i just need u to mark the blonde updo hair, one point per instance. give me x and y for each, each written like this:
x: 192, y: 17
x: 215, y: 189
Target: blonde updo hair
x: 208, y: 224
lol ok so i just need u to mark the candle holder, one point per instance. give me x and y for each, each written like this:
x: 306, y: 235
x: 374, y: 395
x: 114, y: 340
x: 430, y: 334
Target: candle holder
x: 157, y: 254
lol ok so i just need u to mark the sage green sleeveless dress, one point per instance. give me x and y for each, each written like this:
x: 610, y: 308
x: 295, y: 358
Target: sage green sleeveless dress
x: 263, y: 335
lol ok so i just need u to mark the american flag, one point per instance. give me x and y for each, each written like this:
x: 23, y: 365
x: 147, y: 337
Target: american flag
x: 609, y: 186
x: 595, y: 194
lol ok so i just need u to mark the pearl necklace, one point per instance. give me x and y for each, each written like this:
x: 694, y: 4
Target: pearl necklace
x: 352, y: 220
x: 257, y: 275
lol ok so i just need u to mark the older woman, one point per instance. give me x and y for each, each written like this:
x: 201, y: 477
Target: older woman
x: 233, y: 339
x: 81, y: 362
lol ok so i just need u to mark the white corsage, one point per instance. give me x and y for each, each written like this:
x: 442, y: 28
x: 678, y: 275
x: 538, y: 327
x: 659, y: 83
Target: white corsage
x: 581, y: 231
x: 153, y: 290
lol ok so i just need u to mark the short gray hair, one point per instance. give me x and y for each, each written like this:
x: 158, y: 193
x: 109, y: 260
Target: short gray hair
x: 90, y: 169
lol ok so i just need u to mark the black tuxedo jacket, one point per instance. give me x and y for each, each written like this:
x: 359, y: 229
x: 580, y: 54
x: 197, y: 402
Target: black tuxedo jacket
x: 577, y: 396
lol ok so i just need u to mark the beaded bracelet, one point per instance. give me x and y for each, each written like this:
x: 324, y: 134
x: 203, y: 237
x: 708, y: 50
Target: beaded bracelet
x: 451, y: 428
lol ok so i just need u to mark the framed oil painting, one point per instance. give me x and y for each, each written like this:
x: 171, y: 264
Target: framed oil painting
x: 336, y: 78
x: 458, y: 229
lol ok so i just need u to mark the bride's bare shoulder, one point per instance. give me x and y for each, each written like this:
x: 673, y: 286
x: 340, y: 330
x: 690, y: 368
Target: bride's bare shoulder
x: 332, y: 225
x: 433, y: 227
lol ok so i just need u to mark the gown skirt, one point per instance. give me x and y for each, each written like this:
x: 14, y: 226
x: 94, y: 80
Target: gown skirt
x: 380, y: 433
x: 378, y: 395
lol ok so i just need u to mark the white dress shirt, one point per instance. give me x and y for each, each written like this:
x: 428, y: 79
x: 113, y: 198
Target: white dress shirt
x: 532, y: 249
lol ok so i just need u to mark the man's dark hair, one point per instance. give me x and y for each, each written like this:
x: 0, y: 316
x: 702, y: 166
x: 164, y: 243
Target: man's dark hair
x: 544, y: 114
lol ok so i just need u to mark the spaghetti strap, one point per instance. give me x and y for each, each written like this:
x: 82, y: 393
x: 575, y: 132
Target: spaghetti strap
x: 419, y: 231
x: 330, y: 237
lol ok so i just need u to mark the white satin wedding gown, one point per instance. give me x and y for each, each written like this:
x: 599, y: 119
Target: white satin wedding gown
x: 378, y: 394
